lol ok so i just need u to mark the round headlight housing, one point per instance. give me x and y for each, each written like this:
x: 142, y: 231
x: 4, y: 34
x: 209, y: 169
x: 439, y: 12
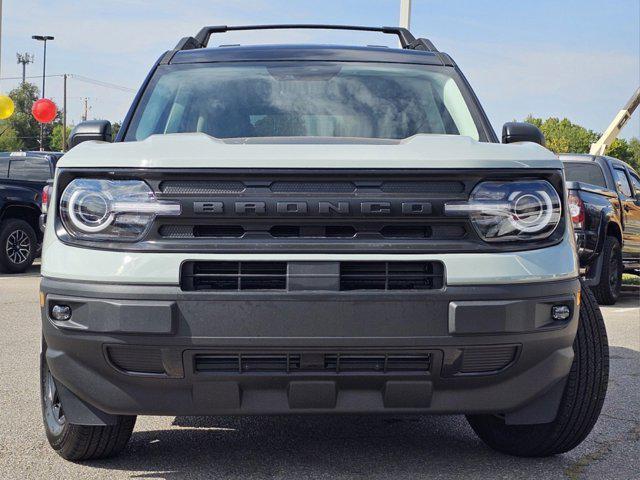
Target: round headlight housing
x: 117, y: 210
x: 90, y: 211
x: 512, y: 211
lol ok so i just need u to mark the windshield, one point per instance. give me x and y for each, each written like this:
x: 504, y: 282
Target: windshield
x: 302, y: 99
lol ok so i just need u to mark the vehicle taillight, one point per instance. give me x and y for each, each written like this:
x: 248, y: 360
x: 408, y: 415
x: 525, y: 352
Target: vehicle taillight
x: 576, y: 209
x: 46, y: 195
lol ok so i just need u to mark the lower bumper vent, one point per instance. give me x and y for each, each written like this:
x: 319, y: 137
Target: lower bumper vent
x: 303, y: 363
x: 234, y: 276
x: 136, y: 359
x: 391, y: 275
x: 487, y: 359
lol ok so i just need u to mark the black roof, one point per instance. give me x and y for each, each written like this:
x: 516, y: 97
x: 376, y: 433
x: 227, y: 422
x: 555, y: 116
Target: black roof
x: 306, y: 52
x: 414, y: 50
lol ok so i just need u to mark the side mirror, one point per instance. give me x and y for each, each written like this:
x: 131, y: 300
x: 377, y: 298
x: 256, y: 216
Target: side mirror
x: 90, y: 130
x: 522, y: 132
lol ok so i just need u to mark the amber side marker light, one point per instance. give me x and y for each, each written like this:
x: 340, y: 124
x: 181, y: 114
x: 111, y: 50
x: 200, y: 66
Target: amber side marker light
x: 42, y: 297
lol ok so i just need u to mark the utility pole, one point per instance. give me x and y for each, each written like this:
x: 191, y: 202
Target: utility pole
x: 85, y: 113
x: 64, y: 113
x: 405, y: 13
x: 24, y: 59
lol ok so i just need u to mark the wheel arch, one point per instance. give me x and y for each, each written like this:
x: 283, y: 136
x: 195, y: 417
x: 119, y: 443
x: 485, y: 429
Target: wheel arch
x: 28, y: 213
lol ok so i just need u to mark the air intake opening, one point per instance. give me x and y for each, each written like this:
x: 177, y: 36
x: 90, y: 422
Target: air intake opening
x: 391, y: 275
x: 234, y: 276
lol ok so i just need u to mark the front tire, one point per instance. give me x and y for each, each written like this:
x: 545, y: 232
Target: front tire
x: 79, y: 442
x: 18, y: 245
x: 581, y: 402
x: 608, y: 288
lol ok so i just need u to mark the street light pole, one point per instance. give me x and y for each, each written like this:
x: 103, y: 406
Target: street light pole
x: 405, y: 13
x: 43, y: 38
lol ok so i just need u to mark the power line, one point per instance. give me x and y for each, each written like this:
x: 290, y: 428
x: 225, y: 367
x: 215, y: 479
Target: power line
x: 80, y: 78
x: 101, y: 83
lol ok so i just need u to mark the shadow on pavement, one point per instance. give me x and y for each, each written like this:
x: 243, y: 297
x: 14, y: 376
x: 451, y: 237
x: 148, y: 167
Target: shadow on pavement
x: 366, y: 446
x: 32, y: 271
x: 309, y: 446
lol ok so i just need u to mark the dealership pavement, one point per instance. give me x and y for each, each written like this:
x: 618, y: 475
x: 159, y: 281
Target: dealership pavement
x: 306, y: 447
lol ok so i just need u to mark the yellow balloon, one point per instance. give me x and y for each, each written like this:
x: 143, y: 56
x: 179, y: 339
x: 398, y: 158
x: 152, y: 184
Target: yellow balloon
x: 6, y: 107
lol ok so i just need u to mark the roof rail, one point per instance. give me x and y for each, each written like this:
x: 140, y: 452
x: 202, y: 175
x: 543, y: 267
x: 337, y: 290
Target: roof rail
x: 201, y: 40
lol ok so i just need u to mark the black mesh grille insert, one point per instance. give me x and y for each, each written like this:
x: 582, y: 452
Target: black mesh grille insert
x: 135, y: 359
x: 234, y: 276
x: 199, y: 187
x: 418, y: 363
x: 391, y: 275
x: 312, y: 187
x: 423, y: 187
x: 487, y: 359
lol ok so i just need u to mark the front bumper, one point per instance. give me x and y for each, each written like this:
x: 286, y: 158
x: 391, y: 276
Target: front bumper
x: 148, y: 349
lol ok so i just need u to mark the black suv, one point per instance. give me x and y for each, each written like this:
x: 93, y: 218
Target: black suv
x: 23, y: 176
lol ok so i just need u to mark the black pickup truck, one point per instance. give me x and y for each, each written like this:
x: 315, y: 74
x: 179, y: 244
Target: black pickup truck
x: 604, y: 200
x: 23, y: 176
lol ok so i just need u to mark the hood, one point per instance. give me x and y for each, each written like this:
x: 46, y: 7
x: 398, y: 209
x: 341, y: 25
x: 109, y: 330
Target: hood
x: 198, y: 150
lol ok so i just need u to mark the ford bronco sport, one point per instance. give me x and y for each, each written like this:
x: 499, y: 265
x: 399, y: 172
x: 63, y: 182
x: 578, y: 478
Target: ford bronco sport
x: 314, y: 229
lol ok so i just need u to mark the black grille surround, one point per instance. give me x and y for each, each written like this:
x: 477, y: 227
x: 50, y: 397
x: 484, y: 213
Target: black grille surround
x: 312, y: 211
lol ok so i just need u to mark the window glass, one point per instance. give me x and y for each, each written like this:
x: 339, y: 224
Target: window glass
x: 4, y: 167
x: 32, y: 169
x: 635, y: 180
x: 584, y: 172
x: 298, y: 99
x: 622, y: 182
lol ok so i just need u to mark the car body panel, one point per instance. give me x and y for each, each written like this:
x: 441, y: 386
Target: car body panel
x: 198, y: 150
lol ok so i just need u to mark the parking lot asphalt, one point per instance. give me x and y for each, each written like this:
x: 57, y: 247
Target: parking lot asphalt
x: 301, y: 447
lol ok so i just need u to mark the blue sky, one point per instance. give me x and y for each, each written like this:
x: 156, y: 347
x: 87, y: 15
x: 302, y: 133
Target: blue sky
x: 573, y: 58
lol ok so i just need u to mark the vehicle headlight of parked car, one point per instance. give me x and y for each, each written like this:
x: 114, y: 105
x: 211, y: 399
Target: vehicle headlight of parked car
x: 512, y: 211
x: 120, y: 210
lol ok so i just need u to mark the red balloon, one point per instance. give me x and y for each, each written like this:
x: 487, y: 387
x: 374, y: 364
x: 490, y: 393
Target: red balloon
x: 44, y: 110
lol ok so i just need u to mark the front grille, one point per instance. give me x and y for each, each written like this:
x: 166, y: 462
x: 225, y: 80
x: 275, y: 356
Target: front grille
x: 417, y: 363
x: 391, y: 275
x: 487, y: 359
x: 316, y: 211
x: 312, y: 211
x: 234, y: 276
x: 136, y: 359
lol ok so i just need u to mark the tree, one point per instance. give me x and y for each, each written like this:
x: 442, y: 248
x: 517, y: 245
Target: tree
x: 634, y: 148
x: 22, y: 121
x: 563, y: 136
x: 115, y: 128
x: 620, y: 149
x: 9, y: 141
x: 26, y: 127
x: 55, y: 140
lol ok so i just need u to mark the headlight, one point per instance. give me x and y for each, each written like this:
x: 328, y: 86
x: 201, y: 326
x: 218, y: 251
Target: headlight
x: 120, y: 210
x: 512, y: 211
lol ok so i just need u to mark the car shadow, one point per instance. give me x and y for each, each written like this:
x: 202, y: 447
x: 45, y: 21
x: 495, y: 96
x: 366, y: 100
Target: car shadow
x: 307, y: 446
x: 363, y: 446
x: 32, y: 271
